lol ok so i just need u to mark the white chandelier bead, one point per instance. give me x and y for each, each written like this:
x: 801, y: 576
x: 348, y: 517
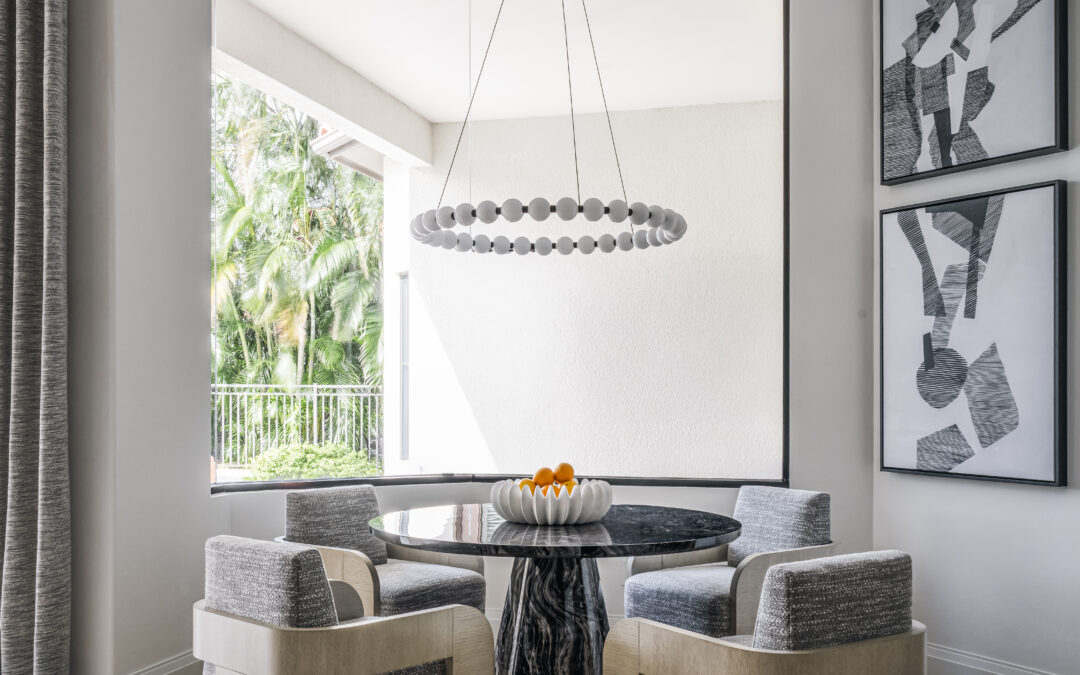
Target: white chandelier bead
x: 464, y: 241
x: 586, y: 244
x: 593, y: 209
x: 662, y: 236
x: 641, y: 239
x: 449, y: 239
x: 639, y: 213
x: 432, y: 239
x: 539, y: 208
x: 656, y: 216
x: 606, y: 243
x: 618, y: 211
x: 445, y: 217
x: 654, y: 238
x: 522, y: 245
x: 416, y: 229
x: 543, y: 246
x: 487, y: 211
x: 482, y: 243
x: 670, y: 218
x: 566, y: 208
x: 512, y: 210
x: 463, y: 214
x: 428, y: 219
x: 680, y: 226
x: 625, y: 240
x: 501, y: 245
x: 565, y: 245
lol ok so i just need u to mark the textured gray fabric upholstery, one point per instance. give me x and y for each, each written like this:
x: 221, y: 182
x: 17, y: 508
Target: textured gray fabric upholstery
x: 830, y: 601
x: 776, y: 519
x: 696, y: 598
x: 273, y: 582
x: 335, y: 517
x: 35, y: 507
x: 406, y: 586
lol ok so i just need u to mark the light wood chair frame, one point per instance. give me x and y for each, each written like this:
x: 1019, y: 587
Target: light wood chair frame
x: 745, y: 584
x: 643, y: 647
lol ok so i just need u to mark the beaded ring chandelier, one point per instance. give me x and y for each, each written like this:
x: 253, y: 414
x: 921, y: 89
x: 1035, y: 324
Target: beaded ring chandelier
x: 450, y: 227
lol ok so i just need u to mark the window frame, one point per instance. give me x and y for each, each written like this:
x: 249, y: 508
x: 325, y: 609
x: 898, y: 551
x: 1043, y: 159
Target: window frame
x: 783, y: 481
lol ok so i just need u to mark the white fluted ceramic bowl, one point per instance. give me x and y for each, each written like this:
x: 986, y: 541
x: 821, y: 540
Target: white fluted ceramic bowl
x: 588, y: 502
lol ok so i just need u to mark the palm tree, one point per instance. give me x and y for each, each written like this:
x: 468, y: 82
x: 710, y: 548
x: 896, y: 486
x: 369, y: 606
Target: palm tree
x: 297, y: 251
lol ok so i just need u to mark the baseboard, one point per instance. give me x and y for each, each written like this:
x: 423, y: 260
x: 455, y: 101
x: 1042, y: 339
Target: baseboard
x: 170, y: 665
x: 943, y: 660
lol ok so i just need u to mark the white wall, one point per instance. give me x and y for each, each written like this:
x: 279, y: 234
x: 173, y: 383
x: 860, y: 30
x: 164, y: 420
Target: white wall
x: 664, y: 362
x: 140, y: 93
x: 995, y: 564
x: 139, y: 325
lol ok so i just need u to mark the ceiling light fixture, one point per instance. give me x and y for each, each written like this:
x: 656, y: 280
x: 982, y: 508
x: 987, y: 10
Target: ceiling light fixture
x: 450, y: 227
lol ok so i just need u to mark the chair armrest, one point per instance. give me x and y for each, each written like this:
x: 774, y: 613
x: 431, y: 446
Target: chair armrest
x: 640, y: 646
x: 355, y: 569
x: 750, y: 575
x: 474, y: 563
x: 652, y: 563
x: 364, y: 646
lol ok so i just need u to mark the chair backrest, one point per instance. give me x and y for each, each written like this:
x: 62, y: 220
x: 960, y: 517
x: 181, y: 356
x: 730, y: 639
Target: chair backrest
x: 775, y: 519
x: 335, y: 517
x: 832, y: 601
x: 274, y: 582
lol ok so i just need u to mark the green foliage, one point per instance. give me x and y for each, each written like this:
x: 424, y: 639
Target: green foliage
x: 297, y: 251
x: 303, y: 460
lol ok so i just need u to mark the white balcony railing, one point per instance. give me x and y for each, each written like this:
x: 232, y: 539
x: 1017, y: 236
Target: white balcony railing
x: 250, y: 419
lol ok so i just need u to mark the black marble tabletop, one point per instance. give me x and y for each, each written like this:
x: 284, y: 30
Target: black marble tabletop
x: 627, y: 529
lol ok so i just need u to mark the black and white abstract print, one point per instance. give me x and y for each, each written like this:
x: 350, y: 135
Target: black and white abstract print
x: 965, y: 82
x: 969, y: 335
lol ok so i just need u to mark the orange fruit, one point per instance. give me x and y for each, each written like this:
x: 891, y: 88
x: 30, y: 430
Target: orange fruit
x: 544, y: 489
x: 570, y: 486
x: 557, y: 488
x: 527, y: 483
x: 564, y: 473
x: 544, y: 476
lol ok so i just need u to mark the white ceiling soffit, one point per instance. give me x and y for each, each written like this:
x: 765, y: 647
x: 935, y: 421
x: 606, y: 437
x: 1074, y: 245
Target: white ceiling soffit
x: 652, y: 54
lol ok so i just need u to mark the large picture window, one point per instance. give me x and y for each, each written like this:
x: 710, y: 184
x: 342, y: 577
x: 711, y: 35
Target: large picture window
x: 297, y: 315
x: 666, y: 365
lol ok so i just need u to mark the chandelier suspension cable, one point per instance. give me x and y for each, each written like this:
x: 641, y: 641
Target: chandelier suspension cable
x: 468, y: 111
x: 603, y: 97
x: 468, y: 86
x: 570, y: 86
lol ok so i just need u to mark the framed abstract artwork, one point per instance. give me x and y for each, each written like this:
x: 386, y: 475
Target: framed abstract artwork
x: 972, y: 313
x: 970, y: 83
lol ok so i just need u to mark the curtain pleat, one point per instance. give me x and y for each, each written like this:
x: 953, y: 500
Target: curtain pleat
x: 35, y: 523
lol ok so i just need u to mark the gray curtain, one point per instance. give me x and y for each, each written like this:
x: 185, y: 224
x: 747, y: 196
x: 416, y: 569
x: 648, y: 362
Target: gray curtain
x: 35, y: 523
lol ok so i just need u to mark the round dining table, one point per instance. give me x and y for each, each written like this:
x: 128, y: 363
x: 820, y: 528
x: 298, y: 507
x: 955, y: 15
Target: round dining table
x: 554, y: 620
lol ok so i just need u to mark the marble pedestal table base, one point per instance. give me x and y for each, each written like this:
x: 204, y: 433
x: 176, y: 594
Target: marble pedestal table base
x: 554, y: 620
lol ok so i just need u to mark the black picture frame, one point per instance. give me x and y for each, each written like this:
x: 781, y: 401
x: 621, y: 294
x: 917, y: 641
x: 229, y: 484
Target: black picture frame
x: 1061, y: 104
x: 1060, y: 450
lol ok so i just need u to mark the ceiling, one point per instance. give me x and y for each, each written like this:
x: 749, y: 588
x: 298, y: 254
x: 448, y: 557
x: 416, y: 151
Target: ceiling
x: 652, y: 54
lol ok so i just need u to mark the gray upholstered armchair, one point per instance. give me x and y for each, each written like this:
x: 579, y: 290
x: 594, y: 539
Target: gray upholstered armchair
x: 715, y: 592
x: 390, y: 579
x: 845, y: 615
x: 270, y: 609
